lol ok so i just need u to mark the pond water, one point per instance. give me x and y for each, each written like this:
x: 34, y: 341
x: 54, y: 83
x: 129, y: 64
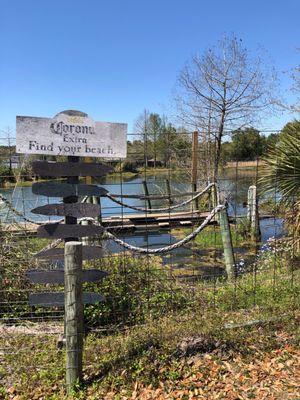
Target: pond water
x: 233, y: 186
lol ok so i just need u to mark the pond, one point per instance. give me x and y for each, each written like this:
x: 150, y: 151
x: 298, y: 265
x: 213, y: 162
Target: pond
x: 234, y: 186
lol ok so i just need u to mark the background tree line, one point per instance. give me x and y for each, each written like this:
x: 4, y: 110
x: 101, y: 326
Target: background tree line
x: 159, y: 144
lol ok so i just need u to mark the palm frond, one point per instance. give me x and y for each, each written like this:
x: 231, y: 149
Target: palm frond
x: 281, y: 170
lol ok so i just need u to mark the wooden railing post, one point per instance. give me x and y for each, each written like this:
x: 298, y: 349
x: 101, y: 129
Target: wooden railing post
x: 146, y: 191
x: 169, y: 192
x: 195, y: 166
x: 86, y: 241
x: 97, y: 200
x: 223, y: 220
x: 227, y: 245
x: 73, y: 313
x: 253, y: 215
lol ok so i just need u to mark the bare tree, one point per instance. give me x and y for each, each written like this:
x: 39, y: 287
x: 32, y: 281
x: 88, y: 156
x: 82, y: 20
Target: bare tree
x: 150, y: 127
x: 141, y: 129
x: 221, y: 90
x: 8, y: 137
x: 295, y: 89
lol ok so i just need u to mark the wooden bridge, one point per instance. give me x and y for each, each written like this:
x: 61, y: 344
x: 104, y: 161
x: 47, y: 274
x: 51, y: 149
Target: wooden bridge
x: 136, y: 222
x: 154, y: 221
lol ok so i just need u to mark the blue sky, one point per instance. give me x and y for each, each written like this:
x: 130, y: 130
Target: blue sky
x: 112, y: 59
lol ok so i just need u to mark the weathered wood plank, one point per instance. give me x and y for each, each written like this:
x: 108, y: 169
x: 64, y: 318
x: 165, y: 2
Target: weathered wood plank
x: 57, y: 276
x: 57, y: 254
x: 77, y: 210
x: 57, y: 299
x: 58, y: 169
x: 74, y: 325
x: 62, y: 189
x: 62, y: 231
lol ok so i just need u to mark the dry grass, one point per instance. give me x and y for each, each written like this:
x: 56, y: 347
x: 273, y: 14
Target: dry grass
x: 244, y: 164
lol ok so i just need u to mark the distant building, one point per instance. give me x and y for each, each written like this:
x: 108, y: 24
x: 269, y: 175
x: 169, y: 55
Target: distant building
x: 13, y: 162
x: 157, y: 163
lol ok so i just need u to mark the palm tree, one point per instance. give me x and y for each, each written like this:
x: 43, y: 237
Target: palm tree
x: 281, y: 172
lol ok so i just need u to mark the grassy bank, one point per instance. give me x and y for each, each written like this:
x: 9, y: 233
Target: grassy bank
x: 244, y: 164
x: 156, y: 336
x: 206, y: 259
x: 230, y: 341
x: 210, y: 238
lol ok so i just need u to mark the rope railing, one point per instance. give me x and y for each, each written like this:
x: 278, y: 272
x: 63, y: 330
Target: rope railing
x: 153, y: 196
x: 112, y: 197
x: 53, y: 244
x: 23, y: 216
x: 171, y: 247
x: 169, y: 208
x: 143, y: 250
x: 126, y: 245
x: 17, y: 212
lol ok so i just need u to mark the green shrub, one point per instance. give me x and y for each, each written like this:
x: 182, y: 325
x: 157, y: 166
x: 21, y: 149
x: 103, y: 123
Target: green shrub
x: 6, y: 174
x: 136, y: 288
x: 139, y: 288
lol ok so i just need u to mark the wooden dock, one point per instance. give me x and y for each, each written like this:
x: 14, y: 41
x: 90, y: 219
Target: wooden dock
x: 135, y: 222
x: 153, y: 221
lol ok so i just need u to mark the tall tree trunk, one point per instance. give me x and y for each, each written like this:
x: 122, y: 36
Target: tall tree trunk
x: 154, y: 150
x: 218, y: 146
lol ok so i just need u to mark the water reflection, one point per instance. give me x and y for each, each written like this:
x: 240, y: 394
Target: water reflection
x: 233, y: 187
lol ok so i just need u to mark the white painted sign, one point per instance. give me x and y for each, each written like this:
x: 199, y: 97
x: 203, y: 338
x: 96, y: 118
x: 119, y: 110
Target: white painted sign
x: 71, y: 133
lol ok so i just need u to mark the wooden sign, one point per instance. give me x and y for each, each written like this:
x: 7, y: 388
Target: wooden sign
x: 57, y: 299
x: 57, y: 189
x: 71, y: 133
x: 77, y: 210
x: 63, y: 231
x: 58, y: 254
x: 58, y: 169
x: 57, y: 276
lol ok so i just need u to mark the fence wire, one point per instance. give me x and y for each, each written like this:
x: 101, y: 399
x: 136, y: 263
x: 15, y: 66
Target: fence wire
x: 146, y: 210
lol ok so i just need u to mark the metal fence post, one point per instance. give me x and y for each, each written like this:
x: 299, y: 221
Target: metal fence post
x: 73, y: 313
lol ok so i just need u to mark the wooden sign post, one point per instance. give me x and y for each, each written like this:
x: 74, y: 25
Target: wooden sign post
x: 73, y: 312
x: 74, y: 134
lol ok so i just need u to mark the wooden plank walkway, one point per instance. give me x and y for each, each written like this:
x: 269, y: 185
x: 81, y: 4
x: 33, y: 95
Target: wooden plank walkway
x: 136, y: 222
x: 154, y: 221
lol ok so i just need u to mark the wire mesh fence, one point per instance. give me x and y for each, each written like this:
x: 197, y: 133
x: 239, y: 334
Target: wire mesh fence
x: 152, y: 204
